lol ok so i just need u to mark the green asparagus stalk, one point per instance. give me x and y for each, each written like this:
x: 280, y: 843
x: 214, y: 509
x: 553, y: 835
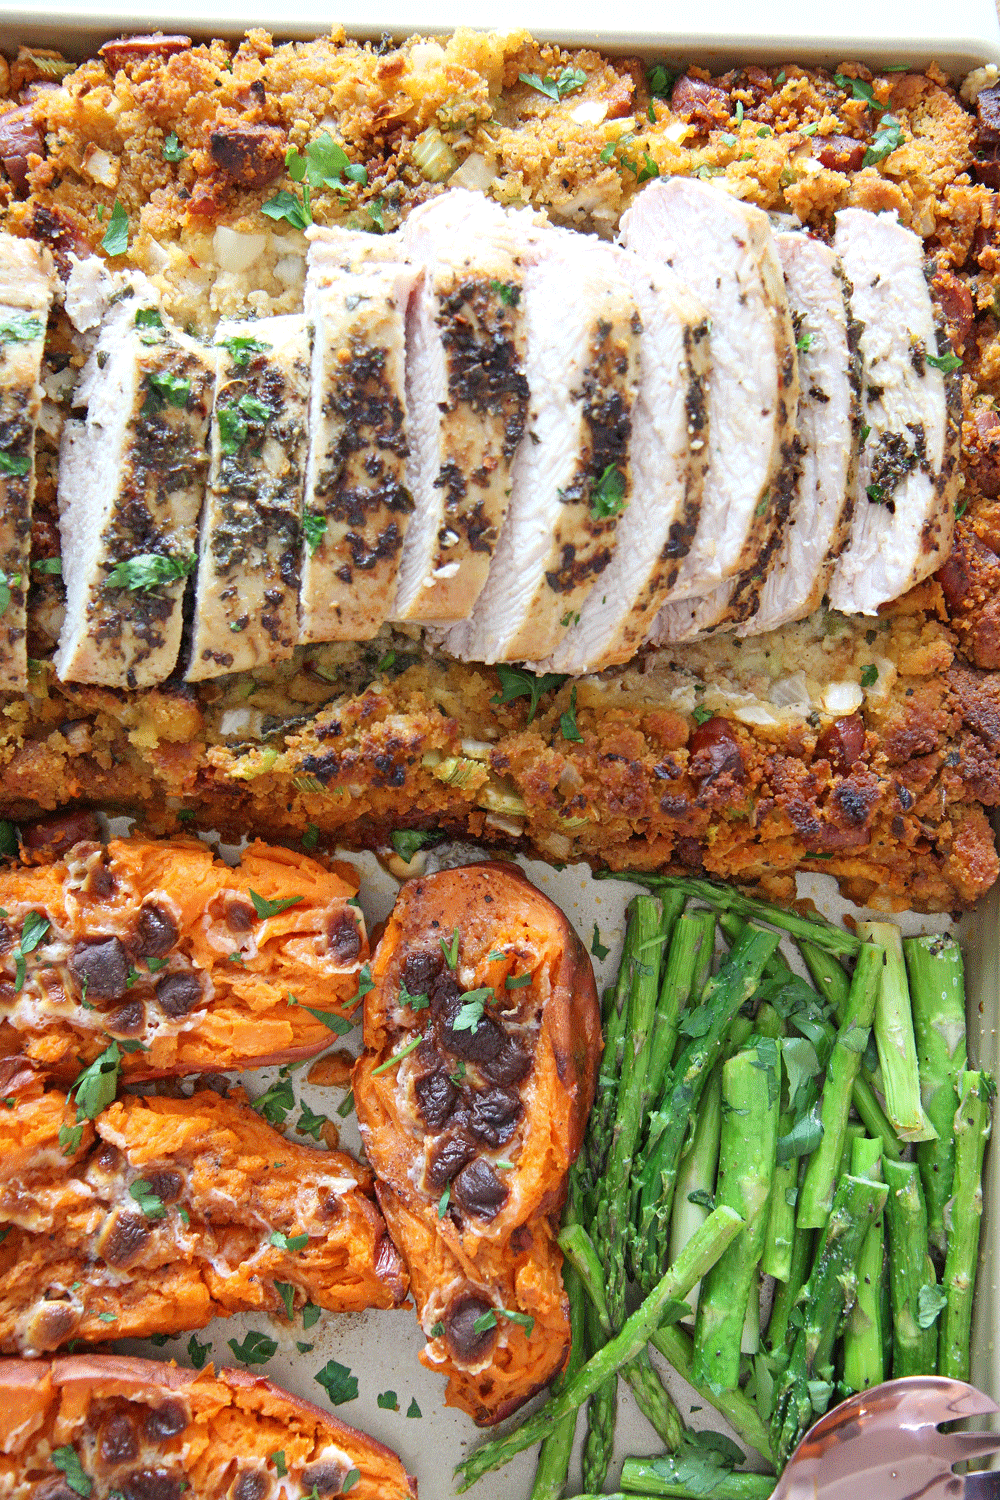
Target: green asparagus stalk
x: 937, y: 992
x: 911, y: 1270
x: 897, y: 1049
x: 776, y: 1258
x: 695, y: 1190
x: 750, y: 1332
x: 602, y: 1116
x: 722, y: 998
x: 788, y: 1292
x: 602, y: 1412
x: 816, y: 1197
x: 874, y: 1117
x: 739, y: 1411
x: 612, y: 1214
x: 652, y: 1398
x: 863, y: 1362
x: 689, y: 963
x: 553, y: 1459
x: 699, y: 1256
x: 857, y: 1204
x: 971, y: 1129
x: 725, y: 898
x: 747, y: 1147
x: 666, y: 1476
x: 672, y: 904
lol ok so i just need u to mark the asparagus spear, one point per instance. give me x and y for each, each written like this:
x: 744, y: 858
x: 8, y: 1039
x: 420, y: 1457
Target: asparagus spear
x: 787, y: 1293
x: 602, y: 1412
x: 863, y: 1363
x: 914, y: 1349
x: 725, y: 898
x: 602, y: 1116
x: 746, y: 1170
x: 723, y: 996
x: 816, y: 1197
x: 894, y: 1036
x: 652, y: 1398
x: 971, y: 1129
x: 672, y: 1343
x: 554, y: 1457
x: 698, y: 1257
x: 806, y: 1384
x: 689, y: 963
x: 667, y: 1476
x: 937, y: 991
x: 694, y: 1194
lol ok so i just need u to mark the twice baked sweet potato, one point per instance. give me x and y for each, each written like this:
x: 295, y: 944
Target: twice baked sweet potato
x: 91, y: 1425
x: 486, y: 995
x: 163, y: 1213
x: 157, y: 942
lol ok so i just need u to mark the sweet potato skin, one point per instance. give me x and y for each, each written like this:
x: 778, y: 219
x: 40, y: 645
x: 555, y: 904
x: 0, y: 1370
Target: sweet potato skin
x: 312, y: 951
x: 508, y: 1260
x: 235, y: 1422
x: 226, y: 1181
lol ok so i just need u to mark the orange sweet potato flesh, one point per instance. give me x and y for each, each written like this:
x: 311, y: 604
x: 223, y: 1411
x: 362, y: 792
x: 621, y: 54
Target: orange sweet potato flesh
x: 80, y: 1243
x: 158, y: 942
x: 472, y: 1133
x: 155, y: 1432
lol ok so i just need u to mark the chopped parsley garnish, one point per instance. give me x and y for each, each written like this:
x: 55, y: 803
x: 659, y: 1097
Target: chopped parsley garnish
x: 597, y: 948
x: 524, y: 1320
x: 290, y: 207
x: 256, y: 1348
x: 869, y: 675
x: 443, y: 1202
x: 334, y: 1023
x: 148, y: 570
x: 396, y: 1057
x: 314, y: 529
x: 700, y: 713
x: 324, y: 164
x: 569, y: 80
x: 310, y: 838
x: 437, y: 1329
x: 413, y: 1410
x: 607, y: 494
x: 406, y: 841
x: 20, y: 328
x: 350, y: 1479
x: 567, y: 721
x: 338, y: 1382
x: 293, y: 1242
x: 661, y: 80
x: 385, y: 662
x: 6, y: 584
x: 278, y: 1459
x: 115, y: 241
x: 265, y: 908
x: 310, y: 1123
x: 470, y: 1012
x: 485, y: 1322
x: 805, y: 342
x: 96, y: 1086
x: 48, y: 565
x: 518, y: 682
x: 571, y: 617
x: 172, y: 149
x: 16, y: 464
x: 108, y: 1317
x: 34, y: 929
x: 365, y: 983
x: 346, y: 1105
x: 286, y: 1292
x: 887, y: 139
x: 66, y: 1459
x: 149, y: 1203
x: 859, y: 90
x: 518, y: 983
x: 311, y: 1314
x: 459, y: 1074
x: 388, y: 1401
x: 275, y: 1104
x: 234, y: 421
x: 240, y: 348
x: 304, y: 1348
x: 450, y: 950
x: 69, y: 1139
x: 508, y: 291
x: 945, y: 362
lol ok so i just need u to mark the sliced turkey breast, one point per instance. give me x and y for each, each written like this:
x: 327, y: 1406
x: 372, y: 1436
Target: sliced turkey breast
x: 572, y: 475
x: 26, y: 287
x: 669, y: 456
x: 131, y: 483
x: 908, y: 473
x: 357, y: 506
x: 467, y: 397
x: 829, y: 428
x: 247, y: 592
x: 724, y: 252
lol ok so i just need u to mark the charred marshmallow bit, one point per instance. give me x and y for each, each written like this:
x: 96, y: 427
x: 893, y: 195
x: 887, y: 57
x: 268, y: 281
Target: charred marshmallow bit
x: 247, y: 589
x: 26, y: 287
x: 467, y: 397
x: 669, y: 456
x: 724, y: 252
x: 357, y: 505
x: 571, y: 477
x: 908, y: 474
x: 829, y: 409
x: 131, y: 482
